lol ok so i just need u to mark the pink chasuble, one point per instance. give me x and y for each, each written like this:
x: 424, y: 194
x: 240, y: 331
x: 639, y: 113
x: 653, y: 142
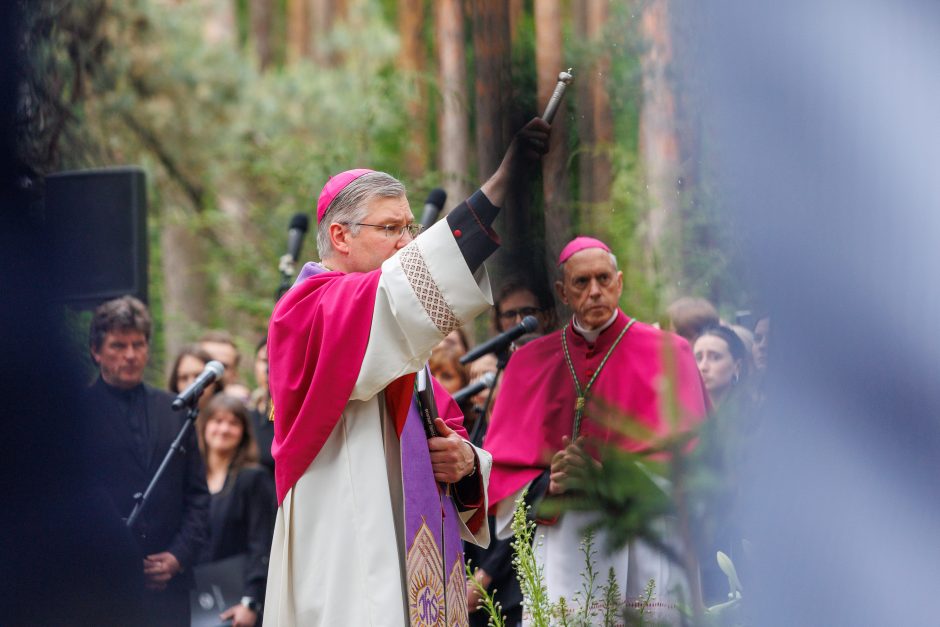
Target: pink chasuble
x: 536, y: 403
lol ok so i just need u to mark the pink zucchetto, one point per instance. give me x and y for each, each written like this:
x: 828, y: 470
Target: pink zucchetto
x: 578, y: 244
x: 334, y: 186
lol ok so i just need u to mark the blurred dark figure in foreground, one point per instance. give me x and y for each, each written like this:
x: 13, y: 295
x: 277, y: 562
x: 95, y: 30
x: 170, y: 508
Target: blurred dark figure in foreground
x: 825, y: 118
x: 131, y: 431
x: 67, y: 557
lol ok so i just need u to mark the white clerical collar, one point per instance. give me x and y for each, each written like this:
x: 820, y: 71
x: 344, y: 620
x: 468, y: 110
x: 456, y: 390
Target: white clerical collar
x: 591, y: 336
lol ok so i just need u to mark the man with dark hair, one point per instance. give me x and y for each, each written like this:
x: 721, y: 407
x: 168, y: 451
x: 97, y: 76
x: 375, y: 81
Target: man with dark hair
x: 132, y: 430
x: 518, y: 298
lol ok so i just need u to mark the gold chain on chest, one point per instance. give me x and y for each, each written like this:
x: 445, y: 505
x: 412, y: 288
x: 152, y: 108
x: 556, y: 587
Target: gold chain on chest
x: 582, y: 394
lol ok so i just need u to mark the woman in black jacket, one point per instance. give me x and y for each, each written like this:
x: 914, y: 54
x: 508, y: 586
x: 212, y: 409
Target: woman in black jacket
x: 243, y: 503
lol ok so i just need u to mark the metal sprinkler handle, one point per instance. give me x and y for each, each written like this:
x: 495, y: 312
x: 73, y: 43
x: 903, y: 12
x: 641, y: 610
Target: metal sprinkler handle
x: 564, y: 79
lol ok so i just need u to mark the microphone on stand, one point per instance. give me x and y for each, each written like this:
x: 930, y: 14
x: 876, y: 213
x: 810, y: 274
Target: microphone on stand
x: 210, y: 374
x: 295, y: 239
x: 484, y: 382
x: 432, y: 207
x: 501, y: 341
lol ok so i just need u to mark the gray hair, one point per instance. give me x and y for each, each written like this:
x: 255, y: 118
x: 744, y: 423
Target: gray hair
x: 613, y: 260
x: 349, y: 206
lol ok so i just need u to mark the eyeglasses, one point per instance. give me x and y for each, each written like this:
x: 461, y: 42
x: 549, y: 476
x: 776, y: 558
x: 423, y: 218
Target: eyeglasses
x: 522, y: 312
x: 393, y: 230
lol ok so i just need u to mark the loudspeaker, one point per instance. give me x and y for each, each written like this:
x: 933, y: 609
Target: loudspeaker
x: 97, y: 221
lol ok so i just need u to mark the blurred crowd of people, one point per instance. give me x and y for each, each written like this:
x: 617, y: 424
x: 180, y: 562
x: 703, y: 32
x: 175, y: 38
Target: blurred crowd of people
x: 732, y: 359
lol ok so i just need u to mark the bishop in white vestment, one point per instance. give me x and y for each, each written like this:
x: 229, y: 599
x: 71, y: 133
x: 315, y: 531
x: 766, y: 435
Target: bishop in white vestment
x: 373, y: 501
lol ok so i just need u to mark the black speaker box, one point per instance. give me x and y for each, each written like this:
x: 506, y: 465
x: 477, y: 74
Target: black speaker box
x: 97, y: 222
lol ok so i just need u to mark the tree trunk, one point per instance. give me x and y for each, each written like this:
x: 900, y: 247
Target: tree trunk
x: 659, y: 144
x: 454, y: 140
x: 602, y: 123
x: 298, y: 30
x: 585, y: 124
x: 516, y: 11
x: 549, y: 61
x: 411, y: 63
x: 262, y: 31
x: 325, y: 15
x: 493, y: 83
x: 493, y: 95
x: 235, y: 233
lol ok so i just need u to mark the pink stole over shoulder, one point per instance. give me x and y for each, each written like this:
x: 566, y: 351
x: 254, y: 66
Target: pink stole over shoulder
x: 316, y: 344
x: 536, y: 402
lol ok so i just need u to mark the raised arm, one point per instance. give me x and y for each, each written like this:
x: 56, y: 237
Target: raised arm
x: 471, y: 221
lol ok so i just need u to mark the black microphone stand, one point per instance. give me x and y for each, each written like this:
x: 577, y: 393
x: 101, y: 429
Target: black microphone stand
x: 283, y: 287
x: 286, y: 266
x: 479, y: 427
x: 176, y: 447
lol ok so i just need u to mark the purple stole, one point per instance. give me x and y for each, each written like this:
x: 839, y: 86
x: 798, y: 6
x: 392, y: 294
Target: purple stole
x: 436, y: 582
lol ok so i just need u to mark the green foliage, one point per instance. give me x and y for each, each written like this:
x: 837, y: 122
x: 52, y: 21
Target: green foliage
x: 623, y: 215
x: 529, y: 573
x: 713, y: 262
x: 628, y: 490
x: 563, y: 613
x: 76, y: 324
x: 612, y: 599
x: 524, y: 75
x: 639, y: 615
x: 585, y: 597
x: 488, y: 602
x: 642, y: 278
x: 230, y: 153
x: 633, y: 494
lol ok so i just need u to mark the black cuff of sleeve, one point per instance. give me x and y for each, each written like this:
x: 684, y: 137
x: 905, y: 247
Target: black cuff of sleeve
x: 470, y: 224
x: 468, y: 491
